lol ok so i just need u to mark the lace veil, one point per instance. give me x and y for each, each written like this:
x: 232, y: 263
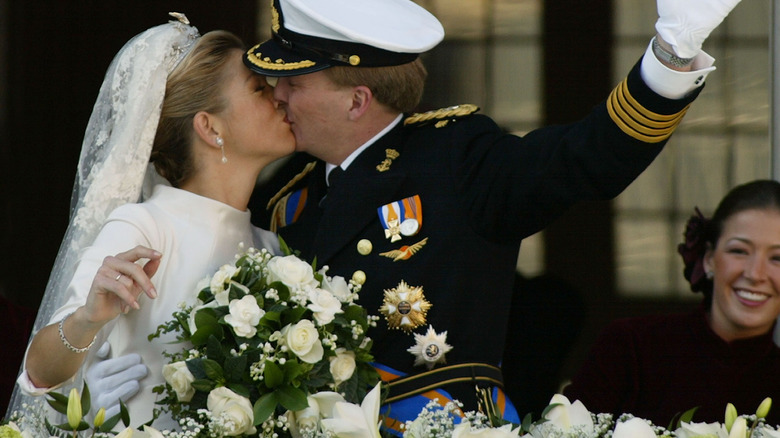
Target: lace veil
x: 114, y: 167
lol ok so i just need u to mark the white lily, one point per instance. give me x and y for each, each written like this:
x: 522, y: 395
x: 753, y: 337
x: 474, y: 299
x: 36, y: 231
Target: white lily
x: 567, y: 415
x: 633, y: 428
x: 352, y: 421
x: 739, y: 428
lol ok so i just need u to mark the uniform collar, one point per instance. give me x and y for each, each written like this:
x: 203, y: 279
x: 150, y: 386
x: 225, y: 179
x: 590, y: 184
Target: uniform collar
x: 345, y: 164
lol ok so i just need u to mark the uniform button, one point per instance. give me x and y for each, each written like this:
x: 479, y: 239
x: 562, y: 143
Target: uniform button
x: 359, y: 277
x: 364, y: 247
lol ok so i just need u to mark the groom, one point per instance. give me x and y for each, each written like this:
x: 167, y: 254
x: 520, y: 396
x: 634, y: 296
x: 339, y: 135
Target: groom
x: 428, y: 211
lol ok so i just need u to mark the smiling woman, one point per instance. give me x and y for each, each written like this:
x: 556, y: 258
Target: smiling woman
x: 660, y: 366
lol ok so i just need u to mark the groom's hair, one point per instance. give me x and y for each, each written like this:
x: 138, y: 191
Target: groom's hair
x: 399, y: 87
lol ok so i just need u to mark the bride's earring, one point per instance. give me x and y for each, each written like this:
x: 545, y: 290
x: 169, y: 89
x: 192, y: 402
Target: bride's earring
x: 221, y: 144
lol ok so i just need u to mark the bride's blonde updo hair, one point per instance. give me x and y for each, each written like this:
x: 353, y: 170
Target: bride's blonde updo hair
x: 193, y: 86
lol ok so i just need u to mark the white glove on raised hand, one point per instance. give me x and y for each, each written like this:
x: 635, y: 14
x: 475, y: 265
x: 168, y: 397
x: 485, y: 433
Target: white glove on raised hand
x: 685, y: 24
x: 110, y: 380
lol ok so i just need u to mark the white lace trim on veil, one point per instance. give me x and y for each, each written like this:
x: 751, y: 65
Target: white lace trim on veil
x: 114, y: 163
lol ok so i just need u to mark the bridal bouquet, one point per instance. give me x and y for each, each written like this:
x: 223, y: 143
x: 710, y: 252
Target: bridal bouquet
x: 564, y: 419
x: 267, y: 334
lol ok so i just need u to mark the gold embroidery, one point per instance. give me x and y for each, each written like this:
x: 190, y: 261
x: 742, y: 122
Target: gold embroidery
x: 391, y: 155
x: 278, y: 65
x: 274, y: 19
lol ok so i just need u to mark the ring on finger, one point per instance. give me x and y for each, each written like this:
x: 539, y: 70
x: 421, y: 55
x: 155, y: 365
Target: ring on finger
x: 118, y: 277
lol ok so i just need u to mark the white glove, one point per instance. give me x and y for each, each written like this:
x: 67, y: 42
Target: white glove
x: 685, y: 24
x: 110, y: 380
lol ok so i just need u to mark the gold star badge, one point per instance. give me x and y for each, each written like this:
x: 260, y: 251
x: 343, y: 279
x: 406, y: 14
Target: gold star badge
x: 405, y: 307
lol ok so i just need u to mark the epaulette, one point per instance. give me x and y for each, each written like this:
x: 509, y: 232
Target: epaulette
x: 308, y: 168
x: 441, y: 117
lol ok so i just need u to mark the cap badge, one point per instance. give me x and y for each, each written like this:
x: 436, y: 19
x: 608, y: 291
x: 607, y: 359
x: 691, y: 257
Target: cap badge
x: 405, y: 307
x: 402, y: 217
x: 404, y: 252
x: 429, y: 349
x: 391, y: 155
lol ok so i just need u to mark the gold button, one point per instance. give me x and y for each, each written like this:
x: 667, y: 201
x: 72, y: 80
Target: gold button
x: 359, y: 277
x: 354, y: 60
x: 364, y: 247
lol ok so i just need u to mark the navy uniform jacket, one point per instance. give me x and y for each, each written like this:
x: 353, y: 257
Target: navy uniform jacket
x: 481, y: 192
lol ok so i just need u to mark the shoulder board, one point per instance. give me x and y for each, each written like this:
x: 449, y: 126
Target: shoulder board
x: 441, y: 116
x: 309, y: 167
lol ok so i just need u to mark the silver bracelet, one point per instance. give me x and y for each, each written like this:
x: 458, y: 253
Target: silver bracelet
x: 68, y: 344
x: 671, y: 58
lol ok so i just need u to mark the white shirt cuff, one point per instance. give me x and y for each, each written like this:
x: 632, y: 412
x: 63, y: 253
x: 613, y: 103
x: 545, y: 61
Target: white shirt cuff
x: 674, y: 84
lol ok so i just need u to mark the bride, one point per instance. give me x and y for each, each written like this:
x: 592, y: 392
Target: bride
x: 208, y: 125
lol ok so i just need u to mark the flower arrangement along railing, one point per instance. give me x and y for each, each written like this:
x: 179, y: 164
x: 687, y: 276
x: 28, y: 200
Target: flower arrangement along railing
x: 274, y: 347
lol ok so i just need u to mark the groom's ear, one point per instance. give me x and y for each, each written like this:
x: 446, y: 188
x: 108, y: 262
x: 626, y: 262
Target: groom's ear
x: 206, y: 128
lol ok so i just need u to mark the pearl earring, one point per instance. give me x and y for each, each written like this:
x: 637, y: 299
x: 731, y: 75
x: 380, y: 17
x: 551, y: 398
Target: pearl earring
x: 709, y: 275
x: 221, y: 144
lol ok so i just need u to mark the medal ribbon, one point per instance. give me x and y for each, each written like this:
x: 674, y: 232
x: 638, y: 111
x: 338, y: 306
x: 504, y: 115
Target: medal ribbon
x: 407, y: 208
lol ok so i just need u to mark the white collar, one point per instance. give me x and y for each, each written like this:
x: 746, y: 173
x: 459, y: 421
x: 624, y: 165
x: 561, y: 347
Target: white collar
x: 345, y: 164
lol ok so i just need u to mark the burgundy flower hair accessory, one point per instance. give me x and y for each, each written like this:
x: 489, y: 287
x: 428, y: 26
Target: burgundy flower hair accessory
x: 692, y: 250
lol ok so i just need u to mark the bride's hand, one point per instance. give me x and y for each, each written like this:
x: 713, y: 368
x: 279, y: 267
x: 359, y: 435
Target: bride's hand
x: 120, y: 281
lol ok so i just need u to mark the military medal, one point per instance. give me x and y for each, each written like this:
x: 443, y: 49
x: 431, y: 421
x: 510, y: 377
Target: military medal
x: 430, y: 348
x: 405, y: 307
x: 401, y: 218
x: 404, y: 252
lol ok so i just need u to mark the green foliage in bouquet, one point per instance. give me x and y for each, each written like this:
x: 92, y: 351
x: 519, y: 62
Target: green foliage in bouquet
x: 266, y: 333
x: 74, y: 408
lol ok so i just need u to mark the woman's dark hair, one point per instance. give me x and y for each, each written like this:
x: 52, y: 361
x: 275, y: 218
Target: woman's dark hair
x: 702, y: 233
x: 192, y: 86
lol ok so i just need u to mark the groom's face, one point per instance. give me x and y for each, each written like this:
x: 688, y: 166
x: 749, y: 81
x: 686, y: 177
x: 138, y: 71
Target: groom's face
x: 317, y: 110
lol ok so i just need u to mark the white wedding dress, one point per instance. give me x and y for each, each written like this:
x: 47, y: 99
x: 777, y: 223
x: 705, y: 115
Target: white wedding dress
x: 196, y: 235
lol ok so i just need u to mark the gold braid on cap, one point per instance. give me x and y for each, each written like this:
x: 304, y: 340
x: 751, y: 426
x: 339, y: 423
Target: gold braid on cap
x: 278, y: 64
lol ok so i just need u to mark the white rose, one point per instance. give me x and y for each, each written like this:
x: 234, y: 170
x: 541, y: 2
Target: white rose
x: 180, y: 378
x: 237, y: 410
x: 292, y: 271
x: 463, y: 430
x: 324, y: 305
x: 338, y: 287
x: 633, y: 428
x: 218, y: 280
x: 244, y: 316
x: 693, y: 430
x: 304, y: 340
x: 568, y: 415
x: 342, y: 365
